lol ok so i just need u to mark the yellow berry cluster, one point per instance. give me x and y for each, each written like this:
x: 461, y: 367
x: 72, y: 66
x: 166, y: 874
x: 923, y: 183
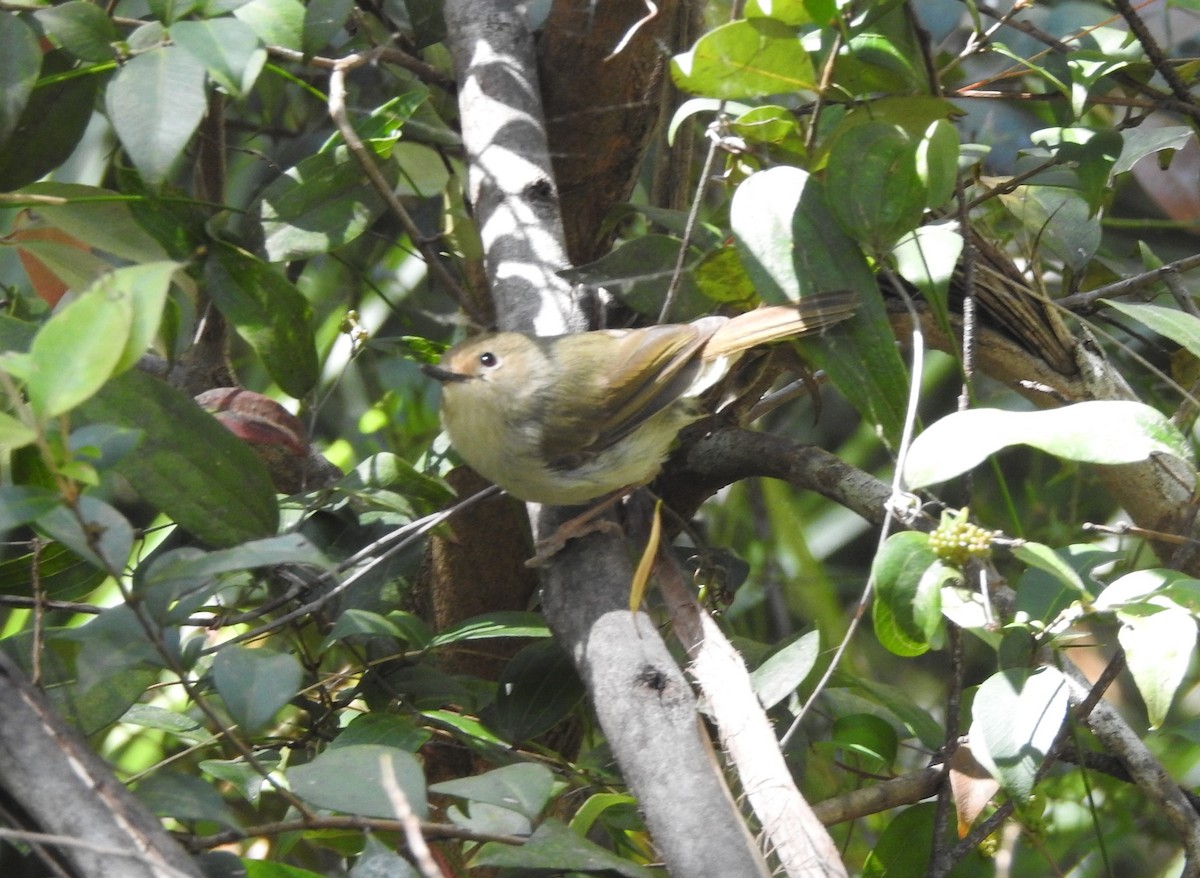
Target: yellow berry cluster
x: 957, y: 540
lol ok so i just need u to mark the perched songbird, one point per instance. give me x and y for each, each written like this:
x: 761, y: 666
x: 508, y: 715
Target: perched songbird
x: 565, y: 419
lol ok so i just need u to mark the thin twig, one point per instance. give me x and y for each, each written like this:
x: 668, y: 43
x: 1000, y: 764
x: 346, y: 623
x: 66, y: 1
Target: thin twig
x: 337, y: 111
x: 404, y: 813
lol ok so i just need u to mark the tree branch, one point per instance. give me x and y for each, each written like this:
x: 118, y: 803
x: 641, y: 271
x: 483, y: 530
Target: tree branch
x: 71, y: 792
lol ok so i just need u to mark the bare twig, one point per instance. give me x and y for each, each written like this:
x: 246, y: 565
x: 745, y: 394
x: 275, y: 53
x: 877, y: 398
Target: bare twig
x: 337, y: 111
x: 404, y: 813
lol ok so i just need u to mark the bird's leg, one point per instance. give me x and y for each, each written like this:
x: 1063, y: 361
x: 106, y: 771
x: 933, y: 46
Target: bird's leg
x: 585, y: 523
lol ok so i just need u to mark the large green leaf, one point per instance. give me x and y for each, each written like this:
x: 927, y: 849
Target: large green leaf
x: 1159, y: 639
x: 81, y: 28
x: 1179, y: 326
x: 93, y: 530
x: 1099, y: 431
x: 268, y: 312
x: 895, y: 853
x: 781, y: 674
x: 188, y: 465
x: 228, y: 49
x: 155, y: 103
x: 320, y: 204
x: 20, y: 60
x: 557, y: 848
x: 908, y: 579
x: 348, y: 779
x: 51, y: 125
x: 98, y: 217
x: 791, y: 247
x: 524, y: 787
x: 745, y: 58
x: 80, y: 347
x: 537, y: 689
x: 880, y: 194
x: 1016, y: 716
x: 277, y: 22
x: 255, y: 683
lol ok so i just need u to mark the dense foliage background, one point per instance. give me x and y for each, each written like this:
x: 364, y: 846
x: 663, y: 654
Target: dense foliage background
x: 244, y: 605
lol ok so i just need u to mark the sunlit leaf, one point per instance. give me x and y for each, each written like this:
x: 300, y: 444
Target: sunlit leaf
x: 745, y: 58
x: 1159, y: 642
x: 1100, y: 431
x: 1017, y: 714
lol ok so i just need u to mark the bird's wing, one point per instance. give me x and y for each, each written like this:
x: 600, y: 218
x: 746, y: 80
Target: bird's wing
x: 649, y: 369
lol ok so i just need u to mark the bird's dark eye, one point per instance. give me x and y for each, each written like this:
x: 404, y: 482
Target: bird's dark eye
x: 489, y: 360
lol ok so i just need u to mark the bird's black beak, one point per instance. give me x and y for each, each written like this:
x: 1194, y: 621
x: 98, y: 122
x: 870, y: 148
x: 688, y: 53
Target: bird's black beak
x: 444, y: 376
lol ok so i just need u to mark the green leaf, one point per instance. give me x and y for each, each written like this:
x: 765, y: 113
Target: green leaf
x: 80, y: 347
x: 228, y: 49
x: 787, y: 11
x: 926, y: 259
x: 347, y: 779
x: 1099, y: 431
x: 13, y: 435
x: 82, y: 28
x: 50, y: 127
x: 189, y: 466
x: 20, y: 60
x: 276, y: 22
x: 88, y: 707
x: 99, y: 217
x: 908, y: 579
x: 1159, y: 642
x: 786, y: 668
x: 1179, y: 326
x: 1136, y: 588
x: 524, y: 787
x: 538, y: 688
x: 555, y: 847
x: 116, y: 642
x: 147, y: 285
x: 745, y: 58
x: 268, y: 869
x: 322, y: 20
x: 1058, y: 220
x: 869, y: 736
x: 184, y: 797
x: 178, y: 725
x: 377, y: 860
x: 937, y: 162
x: 1017, y: 714
x: 291, y: 548
x: 640, y: 271
x: 155, y: 103
x: 898, y: 702
x: 509, y: 623
x: 1145, y: 140
x: 255, y: 683
x: 770, y: 124
x: 873, y: 169
x: 791, y: 246
x: 21, y: 504
x: 245, y: 778
x: 895, y: 853
x: 93, y: 530
x: 1046, y: 559
x: 385, y: 730
x: 319, y: 205
x: 268, y: 312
